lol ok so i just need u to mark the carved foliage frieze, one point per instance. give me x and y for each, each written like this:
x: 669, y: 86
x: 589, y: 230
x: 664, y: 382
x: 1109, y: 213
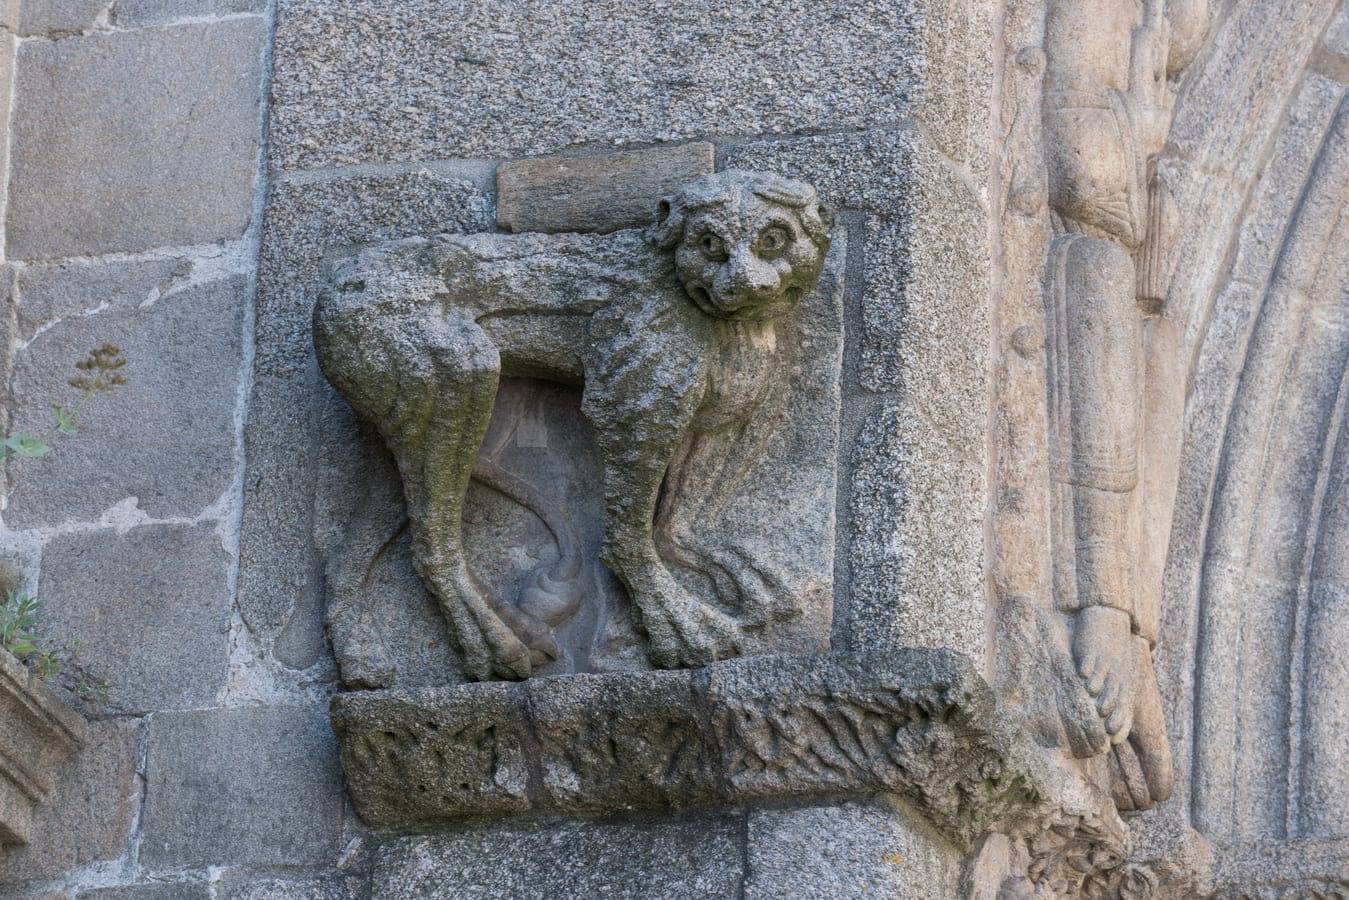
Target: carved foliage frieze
x: 917, y: 723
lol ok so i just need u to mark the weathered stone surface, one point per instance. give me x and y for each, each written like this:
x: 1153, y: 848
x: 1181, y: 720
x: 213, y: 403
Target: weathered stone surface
x: 19, y: 557
x: 1294, y: 868
x: 595, y: 193
x: 693, y: 857
x: 1337, y: 35
x: 105, y: 591
x: 610, y: 743
x: 918, y: 723
x: 497, y: 79
x: 245, y: 786
x: 90, y: 814
x: 137, y: 13
x: 167, y: 438
x: 59, y: 17
x: 9, y: 50
x: 1215, y: 376
x: 409, y: 757
x: 708, y: 374
x: 40, y: 735
x: 300, y: 433
x: 154, y: 890
x: 872, y: 171
x: 88, y: 178
x: 863, y: 848
x: 329, y: 887
x: 1263, y: 646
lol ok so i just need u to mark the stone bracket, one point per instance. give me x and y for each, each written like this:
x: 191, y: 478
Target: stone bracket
x: 38, y: 733
x: 914, y: 722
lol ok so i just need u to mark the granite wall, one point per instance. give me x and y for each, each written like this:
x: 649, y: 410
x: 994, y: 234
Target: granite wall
x: 177, y: 170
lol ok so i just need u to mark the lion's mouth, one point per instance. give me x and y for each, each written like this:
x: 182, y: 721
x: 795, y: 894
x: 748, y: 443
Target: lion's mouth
x: 738, y: 307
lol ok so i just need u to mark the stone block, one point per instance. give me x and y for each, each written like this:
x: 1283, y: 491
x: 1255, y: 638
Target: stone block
x: 873, y: 170
x: 167, y: 438
x: 90, y: 177
x: 250, y: 786
x: 154, y: 890
x: 328, y: 887
x: 40, y: 736
x: 610, y: 743
x: 116, y: 593
x: 501, y: 79
x: 54, y: 18
x: 38, y: 892
x: 429, y: 753
x: 595, y: 193
x: 918, y: 723
x: 19, y: 558
x: 299, y: 432
x: 89, y: 816
x: 138, y: 13
x: 695, y: 857
x: 1337, y: 35
x: 864, y: 848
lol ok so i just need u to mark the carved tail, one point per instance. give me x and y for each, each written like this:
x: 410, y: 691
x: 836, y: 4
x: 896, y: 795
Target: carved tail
x: 556, y: 591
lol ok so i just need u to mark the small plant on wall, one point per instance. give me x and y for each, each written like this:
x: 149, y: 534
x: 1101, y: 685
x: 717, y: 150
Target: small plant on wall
x: 20, y: 613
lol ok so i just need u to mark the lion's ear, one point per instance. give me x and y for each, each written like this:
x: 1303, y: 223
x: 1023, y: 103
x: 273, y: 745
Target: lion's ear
x: 827, y: 218
x: 669, y: 227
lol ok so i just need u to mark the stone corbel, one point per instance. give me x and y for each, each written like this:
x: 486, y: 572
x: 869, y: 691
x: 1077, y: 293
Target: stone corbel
x: 38, y: 735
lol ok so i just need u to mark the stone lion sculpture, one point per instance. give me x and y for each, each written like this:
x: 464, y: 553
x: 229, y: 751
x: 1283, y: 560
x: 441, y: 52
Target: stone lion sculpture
x: 671, y: 332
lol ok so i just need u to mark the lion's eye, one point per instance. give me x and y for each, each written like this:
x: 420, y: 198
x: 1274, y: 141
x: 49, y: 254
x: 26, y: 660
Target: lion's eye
x: 712, y: 245
x: 772, y: 241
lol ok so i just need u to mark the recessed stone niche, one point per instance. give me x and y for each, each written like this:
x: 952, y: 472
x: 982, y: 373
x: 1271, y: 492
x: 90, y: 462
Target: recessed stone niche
x: 603, y: 452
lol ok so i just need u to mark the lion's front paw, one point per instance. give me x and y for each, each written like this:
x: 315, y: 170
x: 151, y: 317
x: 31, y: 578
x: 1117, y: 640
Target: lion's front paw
x: 691, y: 634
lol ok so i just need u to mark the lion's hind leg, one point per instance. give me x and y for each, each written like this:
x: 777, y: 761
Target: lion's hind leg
x: 444, y: 405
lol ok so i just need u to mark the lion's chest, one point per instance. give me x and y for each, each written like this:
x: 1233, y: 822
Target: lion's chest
x: 739, y: 370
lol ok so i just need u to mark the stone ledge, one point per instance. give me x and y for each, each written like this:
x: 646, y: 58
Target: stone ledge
x: 918, y: 723
x: 38, y: 733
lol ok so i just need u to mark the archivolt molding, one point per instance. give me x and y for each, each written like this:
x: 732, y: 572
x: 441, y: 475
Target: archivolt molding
x: 1241, y: 338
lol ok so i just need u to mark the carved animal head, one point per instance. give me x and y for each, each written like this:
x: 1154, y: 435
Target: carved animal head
x: 747, y: 246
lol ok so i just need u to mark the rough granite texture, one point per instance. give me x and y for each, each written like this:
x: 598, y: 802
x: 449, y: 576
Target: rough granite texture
x: 166, y: 440
x: 53, y: 18
x: 178, y: 172
x: 919, y: 723
x: 473, y: 80
x: 329, y: 887
x: 862, y: 848
x: 160, y: 890
x: 918, y: 466
x: 138, y: 13
x: 691, y: 857
x: 268, y: 776
x: 41, y: 735
x: 109, y: 592
x: 90, y: 814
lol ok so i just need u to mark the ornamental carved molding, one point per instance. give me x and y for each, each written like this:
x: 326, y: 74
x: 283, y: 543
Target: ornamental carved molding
x: 1171, y: 208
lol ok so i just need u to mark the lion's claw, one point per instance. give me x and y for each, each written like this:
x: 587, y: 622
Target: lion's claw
x: 692, y: 636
